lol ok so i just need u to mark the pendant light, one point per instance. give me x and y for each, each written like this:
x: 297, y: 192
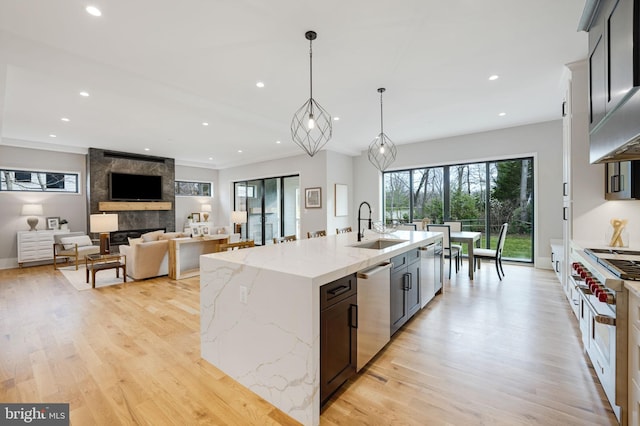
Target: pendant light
x: 311, y: 125
x: 382, y: 151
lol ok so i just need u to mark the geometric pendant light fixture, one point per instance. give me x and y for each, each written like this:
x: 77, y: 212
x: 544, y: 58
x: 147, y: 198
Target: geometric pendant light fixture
x: 311, y: 126
x: 382, y: 151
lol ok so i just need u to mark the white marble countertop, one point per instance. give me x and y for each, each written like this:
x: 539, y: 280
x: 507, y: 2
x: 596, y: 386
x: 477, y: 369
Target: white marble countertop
x: 326, y: 258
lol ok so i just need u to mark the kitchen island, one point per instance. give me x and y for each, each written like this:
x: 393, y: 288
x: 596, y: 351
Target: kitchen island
x: 260, y: 311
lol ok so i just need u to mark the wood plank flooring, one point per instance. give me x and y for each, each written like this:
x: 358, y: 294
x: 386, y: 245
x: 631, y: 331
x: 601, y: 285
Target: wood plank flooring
x: 484, y: 353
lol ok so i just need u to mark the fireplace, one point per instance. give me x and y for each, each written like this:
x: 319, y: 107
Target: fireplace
x: 122, y: 237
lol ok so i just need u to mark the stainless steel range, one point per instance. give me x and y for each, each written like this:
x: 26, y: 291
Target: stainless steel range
x: 601, y: 301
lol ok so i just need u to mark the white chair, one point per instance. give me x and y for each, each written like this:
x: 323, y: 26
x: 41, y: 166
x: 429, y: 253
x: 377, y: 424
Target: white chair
x: 456, y: 226
x: 496, y: 254
x: 449, y: 251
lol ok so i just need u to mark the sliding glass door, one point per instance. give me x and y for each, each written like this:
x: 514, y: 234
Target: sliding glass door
x: 271, y: 205
x: 481, y: 195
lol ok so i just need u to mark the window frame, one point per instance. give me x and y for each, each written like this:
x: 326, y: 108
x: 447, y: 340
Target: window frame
x: 175, y: 185
x: 49, y: 189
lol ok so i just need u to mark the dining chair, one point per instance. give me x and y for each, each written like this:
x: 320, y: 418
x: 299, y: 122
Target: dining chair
x: 449, y: 251
x: 322, y: 233
x: 237, y: 245
x: 343, y: 230
x: 456, y: 226
x: 285, y: 239
x: 496, y: 254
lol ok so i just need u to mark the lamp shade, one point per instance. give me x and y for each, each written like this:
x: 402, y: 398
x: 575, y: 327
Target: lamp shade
x: 103, y: 222
x: 32, y: 210
x: 205, y: 208
x: 238, y: 217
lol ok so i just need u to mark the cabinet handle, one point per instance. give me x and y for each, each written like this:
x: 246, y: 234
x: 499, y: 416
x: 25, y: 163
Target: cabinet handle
x: 353, y: 308
x: 564, y: 213
x: 405, y: 281
x: 557, y: 266
x: 564, y: 189
x: 564, y: 111
x: 338, y: 290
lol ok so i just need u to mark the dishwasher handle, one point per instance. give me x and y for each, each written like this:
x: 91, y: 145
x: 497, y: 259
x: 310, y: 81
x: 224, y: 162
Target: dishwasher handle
x: 365, y: 275
x: 427, y: 247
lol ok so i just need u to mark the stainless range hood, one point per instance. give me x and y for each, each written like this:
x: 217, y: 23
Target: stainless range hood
x: 617, y: 136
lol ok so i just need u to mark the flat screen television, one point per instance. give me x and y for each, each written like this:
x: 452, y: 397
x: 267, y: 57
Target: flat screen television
x: 133, y: 187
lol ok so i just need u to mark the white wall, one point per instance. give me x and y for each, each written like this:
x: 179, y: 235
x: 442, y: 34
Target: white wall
x: 187, y: 205
x: 339, y: 170
x: 72, y: 207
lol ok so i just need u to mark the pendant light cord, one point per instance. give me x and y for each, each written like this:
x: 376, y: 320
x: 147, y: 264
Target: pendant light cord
x: 310, y: 69
x: 381, y: 122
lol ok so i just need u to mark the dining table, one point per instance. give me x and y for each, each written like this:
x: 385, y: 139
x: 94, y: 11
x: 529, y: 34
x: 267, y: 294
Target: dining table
x: 471, y: 239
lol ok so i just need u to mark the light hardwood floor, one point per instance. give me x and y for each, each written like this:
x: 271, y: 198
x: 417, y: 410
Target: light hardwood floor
x: 484, y: 353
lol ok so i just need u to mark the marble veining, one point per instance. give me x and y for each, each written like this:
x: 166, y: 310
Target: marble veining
x: 270, y: 343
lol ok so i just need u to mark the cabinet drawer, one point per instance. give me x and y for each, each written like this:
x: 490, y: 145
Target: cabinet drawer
x: 634, y: 353
x: 338, y: 290
x: 634, y: 403
x: 634, y: 310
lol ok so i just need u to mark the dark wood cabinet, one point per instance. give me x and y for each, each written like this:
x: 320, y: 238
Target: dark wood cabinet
x: 612, y: 67
x: 622, y: 180
x: 338, y: 334
x: 405, y: 288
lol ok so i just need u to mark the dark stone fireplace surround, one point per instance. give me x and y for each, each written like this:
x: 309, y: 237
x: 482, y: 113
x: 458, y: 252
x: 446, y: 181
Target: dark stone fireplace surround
x: 131, y: 223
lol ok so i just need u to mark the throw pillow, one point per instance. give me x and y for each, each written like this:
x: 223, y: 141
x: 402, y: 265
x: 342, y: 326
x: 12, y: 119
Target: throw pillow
x: 70, y: 242
x: 133, y: 241
x: 151, y: 236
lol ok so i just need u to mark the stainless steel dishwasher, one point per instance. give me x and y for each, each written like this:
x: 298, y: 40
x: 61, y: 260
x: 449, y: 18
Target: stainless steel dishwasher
x: 431, y: 264
x: 374, y: 312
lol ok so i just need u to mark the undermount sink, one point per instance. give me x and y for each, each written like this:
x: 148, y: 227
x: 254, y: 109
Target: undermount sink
x: 378, y: 244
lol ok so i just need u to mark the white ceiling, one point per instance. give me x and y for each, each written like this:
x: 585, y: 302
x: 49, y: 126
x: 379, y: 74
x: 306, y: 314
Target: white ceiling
x: 157, y: 69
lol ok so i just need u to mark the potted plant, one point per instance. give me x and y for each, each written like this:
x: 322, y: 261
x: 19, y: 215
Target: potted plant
x: 64, y: 224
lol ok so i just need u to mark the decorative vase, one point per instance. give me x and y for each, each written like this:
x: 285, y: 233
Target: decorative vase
x: 64, y: 227
x: 617, y: 235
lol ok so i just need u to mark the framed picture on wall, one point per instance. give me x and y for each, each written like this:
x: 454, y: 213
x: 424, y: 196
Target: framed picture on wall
x: 195, y: 231
x: 313, y: 198
x: 53, y: 222
x: 195, y: 217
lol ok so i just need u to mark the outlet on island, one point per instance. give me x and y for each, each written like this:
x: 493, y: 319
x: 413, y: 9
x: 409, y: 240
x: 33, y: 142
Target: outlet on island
x: 243, y: 294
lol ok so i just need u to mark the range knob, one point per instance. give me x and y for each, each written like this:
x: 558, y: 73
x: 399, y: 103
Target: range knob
x: 606, y: 297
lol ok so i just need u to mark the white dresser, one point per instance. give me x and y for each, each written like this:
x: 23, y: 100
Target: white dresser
x: 34, y: 246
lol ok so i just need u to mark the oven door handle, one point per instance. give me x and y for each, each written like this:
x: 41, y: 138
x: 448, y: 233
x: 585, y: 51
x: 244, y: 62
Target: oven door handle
x: 605, y: 319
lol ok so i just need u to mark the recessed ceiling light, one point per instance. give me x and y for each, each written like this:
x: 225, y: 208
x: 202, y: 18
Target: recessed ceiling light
x: 83, y: 93
x: 210, y: 158
x: 240, y: 151
x: 146, y: 149
x: 205, y: 123
x: 92, y: 10
x: 336, y: 118
x: 260, y: 84
x: 53, y: 136
x: 494, y: 77
x: 502, y: 114
x: 65, y: 119
x: 277, y: 141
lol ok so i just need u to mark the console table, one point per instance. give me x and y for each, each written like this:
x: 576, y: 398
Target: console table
x: 184, y: 254
x: 34, y: 246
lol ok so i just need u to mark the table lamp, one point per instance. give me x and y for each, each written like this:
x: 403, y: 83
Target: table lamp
x: 205, y: 209
x: 32, y: 210
x: 238, y: 218
x: 103, y: 224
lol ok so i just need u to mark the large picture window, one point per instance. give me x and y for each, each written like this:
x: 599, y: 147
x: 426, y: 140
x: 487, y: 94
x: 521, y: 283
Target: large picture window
x: 481, y: 195
x: 193, y: 189
x: 33, y: 181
